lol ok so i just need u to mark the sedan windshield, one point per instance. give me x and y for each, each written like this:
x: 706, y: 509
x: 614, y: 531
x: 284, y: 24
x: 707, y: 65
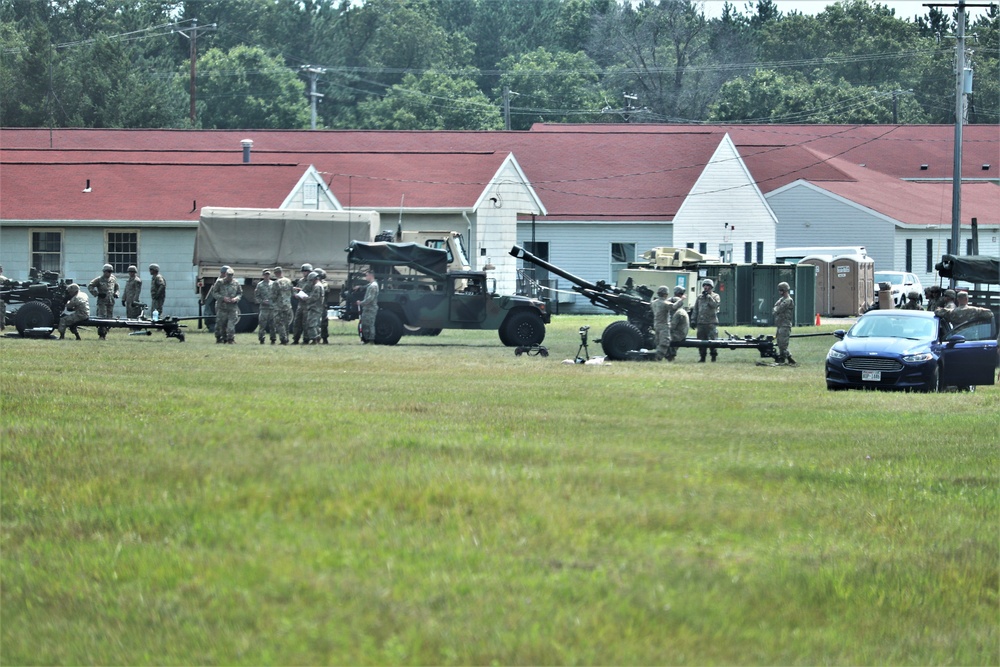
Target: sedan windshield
x: 913, y: 328
x: 894, y: 278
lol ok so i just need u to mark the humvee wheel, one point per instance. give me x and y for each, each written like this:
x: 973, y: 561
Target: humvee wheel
x: 388, y: 328
x: 33, y: 315
x: 522, y: 328
x: 248, y: 318
x: 619, y: 338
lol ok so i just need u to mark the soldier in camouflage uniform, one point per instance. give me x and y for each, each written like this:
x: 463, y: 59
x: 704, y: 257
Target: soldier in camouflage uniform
x: 369, y: 309
x: 78, y: 310
x: 963, y: 312
x: 157, y: 289
x: 933, y: 294
x: 315, y: 307
x: 325, y: 318
x: 706, y: 316
x: 264, y: 296
x: 912, y: 301
x: 784, y: 315
x: 133, y: 291
x: 3, y: 306
x: 281, y: 297
x: 680, y: 322
x: 105, y: 288
x: 661, y: 322
x: 227, y: 307
x: 299, y: 318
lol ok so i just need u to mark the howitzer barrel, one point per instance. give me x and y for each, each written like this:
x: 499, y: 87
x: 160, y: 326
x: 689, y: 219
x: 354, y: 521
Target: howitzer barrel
x: 521, y: 253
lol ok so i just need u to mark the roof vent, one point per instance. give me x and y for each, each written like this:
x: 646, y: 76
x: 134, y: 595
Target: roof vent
x: 986, y: 167
x: 923, y: 167
x: 247, y: 144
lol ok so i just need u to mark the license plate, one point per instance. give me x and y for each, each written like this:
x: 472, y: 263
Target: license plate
x: 871, y: 376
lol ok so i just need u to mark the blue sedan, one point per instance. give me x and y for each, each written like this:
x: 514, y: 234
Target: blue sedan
x: 914, y: 350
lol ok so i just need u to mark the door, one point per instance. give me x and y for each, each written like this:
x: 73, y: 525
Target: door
x: 468, y: 298
x: 973, y: 361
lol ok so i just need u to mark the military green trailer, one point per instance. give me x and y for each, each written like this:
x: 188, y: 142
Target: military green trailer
x: 418, y: 292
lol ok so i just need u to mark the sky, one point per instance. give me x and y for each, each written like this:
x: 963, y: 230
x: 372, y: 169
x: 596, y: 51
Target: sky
x: 905, y: 9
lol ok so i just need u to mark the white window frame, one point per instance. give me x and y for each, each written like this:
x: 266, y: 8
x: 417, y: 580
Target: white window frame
x: 629, y: 248
x: 59, y: 254
x: 123, y: 266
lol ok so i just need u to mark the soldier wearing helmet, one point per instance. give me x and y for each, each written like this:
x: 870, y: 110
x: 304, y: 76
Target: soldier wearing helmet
x: 933, y: 294
x: 912, y: 301
x: 784, y: 316
x: 661, y: 322
x: 158, y: 289
x: 281, y: 296
x: 77, y: 310
x: 325, y: 320
x: 105, y: 288
x: 369, y: 308
x: 680, y: 322
x: 314, y: 306
x: 305, y: 285
x: 264, y: 296
x: 227, y: 308
x: 133, y: 290
x: 705, y: 317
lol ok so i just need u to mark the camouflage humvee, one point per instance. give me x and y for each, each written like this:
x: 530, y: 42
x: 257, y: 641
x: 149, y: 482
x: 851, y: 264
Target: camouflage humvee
x: 418, y: 293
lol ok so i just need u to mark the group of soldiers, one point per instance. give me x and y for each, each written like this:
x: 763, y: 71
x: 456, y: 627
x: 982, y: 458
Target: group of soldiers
x: 948, y: 304
x: 671, y: 321
x: 308, y: 324
x: 106, y: 290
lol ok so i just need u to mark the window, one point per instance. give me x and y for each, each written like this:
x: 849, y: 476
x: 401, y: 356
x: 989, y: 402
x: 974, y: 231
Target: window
x: 46, y: 251
x: 930, y: 256
x: 703, y: 248
x: 748, y: 252
x: 621, y: 255
x: 310, y: 194
x: 123, y: 250
x: 760, y: 252
x: 969, y: 249
x: 909, y: 255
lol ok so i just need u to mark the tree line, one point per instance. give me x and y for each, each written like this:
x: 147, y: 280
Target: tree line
x: 481, y: 64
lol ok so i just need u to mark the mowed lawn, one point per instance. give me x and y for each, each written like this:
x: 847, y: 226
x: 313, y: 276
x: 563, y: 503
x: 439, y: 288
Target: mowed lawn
x: 444, y: 501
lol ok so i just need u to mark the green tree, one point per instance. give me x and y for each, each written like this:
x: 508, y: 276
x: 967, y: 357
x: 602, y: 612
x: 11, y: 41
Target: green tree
x: 246, y: 88
x: 554, y: 88
x: 432, y: 101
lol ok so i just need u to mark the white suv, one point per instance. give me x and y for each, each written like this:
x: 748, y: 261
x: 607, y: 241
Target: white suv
x: 902, y: 284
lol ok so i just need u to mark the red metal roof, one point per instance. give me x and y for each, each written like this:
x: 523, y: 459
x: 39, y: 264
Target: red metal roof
x: 580, y: 172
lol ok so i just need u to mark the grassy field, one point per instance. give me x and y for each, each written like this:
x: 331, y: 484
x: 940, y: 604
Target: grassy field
x: 446, y: 502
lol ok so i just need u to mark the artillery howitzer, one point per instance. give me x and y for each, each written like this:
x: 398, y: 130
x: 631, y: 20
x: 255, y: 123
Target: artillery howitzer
x: 624, y: 339
x: 43, y: 299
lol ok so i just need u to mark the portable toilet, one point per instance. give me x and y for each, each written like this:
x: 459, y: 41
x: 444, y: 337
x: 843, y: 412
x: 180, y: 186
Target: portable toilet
x: 851, y: 285
x: 822, y: 271
x: 726, y: 285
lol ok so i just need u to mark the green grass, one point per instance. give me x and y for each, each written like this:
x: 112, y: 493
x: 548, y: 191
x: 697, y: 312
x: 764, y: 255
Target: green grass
x: 446, y: 502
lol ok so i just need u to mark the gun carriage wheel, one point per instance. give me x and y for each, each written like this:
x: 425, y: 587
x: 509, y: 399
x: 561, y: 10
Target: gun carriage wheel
x: 619, y: 338
x: 33, y: 315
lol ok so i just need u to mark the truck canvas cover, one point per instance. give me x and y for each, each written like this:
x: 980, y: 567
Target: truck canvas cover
x: 431, y: 261
x: 277, y: 237
x: 970, y: 268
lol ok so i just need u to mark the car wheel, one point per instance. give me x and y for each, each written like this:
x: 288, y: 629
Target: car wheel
x: 619, y: 338
x: 522, y: 328
x: 388, y: 327
x: 33, y: 315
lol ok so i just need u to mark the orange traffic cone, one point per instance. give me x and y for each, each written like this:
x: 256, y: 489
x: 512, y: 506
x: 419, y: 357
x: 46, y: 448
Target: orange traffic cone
x: 817, y: 319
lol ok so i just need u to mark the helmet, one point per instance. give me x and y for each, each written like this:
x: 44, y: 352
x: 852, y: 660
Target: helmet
x: 321, y: 273
x: 230, y: 272
x: 679, y: 291
x: 72, y: 290
x: 707, y: 281
x: 783, y: 287
x: 306, y: 267
x: 108, y: 267
x: 662, y: 291
x: 914, y: 294
x: 154, y: 267
x: 132, y: 269
x: 224, y: 270
x: 312, y: 276
x: 949, y: 293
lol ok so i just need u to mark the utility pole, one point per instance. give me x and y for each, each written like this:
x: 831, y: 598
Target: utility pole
x: 895, y: 103
x: 193, y: 29
x: 956, y: 178
x: 507, y: 94
x: 313, y: 73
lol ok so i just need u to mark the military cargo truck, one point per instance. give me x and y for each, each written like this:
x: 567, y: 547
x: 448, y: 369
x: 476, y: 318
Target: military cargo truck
x: 249, y: 240
x: 418, y: 291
